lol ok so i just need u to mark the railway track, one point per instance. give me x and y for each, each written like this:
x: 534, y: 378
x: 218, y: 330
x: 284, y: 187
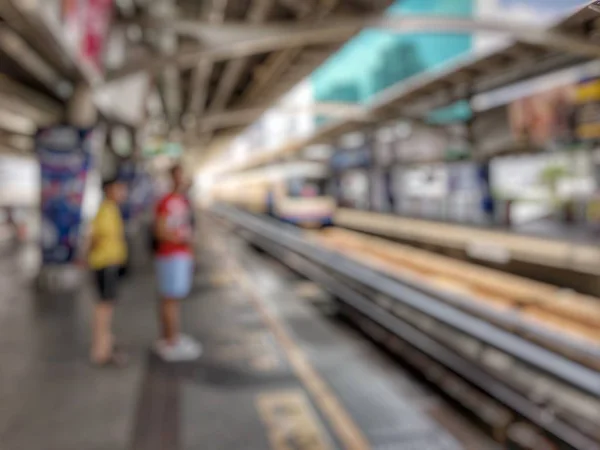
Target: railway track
x: 529, y: 395
x: 559, y: 319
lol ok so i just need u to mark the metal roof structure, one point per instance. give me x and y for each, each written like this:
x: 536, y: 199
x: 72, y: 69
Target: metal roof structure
x: 202, y: 61
x: 216, y: 65
x: 532, y: 52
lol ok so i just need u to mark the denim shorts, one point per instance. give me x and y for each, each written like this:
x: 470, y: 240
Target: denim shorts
x: 175, y: 275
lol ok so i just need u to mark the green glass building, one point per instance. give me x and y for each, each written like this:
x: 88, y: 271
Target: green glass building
x: 375, y: 59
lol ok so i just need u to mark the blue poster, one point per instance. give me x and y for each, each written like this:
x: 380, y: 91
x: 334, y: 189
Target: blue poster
x: 65, y: 155
x: 344, y: 159
x: 140, y: 189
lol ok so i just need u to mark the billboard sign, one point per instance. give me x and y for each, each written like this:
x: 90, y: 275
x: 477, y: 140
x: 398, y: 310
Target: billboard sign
x: 545, y: 118
x: 65, y: 155
x: 85, y: 28
x: 588, y: 110
x: 140, y: 189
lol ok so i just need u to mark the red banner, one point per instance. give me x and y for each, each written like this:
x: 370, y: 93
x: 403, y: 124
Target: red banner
x: 97, y: 25
x: 86, y: 28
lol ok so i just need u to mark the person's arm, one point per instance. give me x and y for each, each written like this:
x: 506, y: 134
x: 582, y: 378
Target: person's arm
x: 161, y: 230
x: 96, y: 231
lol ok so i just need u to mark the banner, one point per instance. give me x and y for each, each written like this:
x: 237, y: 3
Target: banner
x: 344, y: 159
x: 86, y: 24
x: 545, y: 118
x: 588, y: 109
x: 140, y: 190
x: 65, y: 155
x: 96, y: 26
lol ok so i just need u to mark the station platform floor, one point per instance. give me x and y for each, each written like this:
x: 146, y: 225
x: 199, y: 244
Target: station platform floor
x: 279, y: 371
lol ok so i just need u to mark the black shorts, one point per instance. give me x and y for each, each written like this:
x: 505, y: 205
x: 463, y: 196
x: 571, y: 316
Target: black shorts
x: 107, y: 281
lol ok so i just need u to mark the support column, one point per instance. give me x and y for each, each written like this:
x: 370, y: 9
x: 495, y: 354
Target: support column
x: 487, y: 202
x: 81, y: 113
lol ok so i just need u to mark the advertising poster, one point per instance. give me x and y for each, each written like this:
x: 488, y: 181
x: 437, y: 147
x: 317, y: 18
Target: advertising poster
x: 96, y: 26
x: 65, y: 155
x: 588, y: 110
x: 140, y: 190
x: 545, y: 118
x: 85, y: 27
x: 344, y: 159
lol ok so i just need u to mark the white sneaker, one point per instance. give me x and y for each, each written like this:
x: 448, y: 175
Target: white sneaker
x: 185, y: 349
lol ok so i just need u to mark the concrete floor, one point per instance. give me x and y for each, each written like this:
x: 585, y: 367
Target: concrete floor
x: 278, y: 370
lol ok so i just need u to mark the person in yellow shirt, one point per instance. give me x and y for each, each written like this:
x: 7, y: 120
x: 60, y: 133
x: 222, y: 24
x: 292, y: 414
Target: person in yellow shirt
x: 107, y: 254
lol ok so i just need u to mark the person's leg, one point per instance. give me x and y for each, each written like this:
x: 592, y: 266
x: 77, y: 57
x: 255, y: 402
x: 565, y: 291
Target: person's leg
x: 174, y: 283
x: 102, y: 340
x: 174, y: 279
x: 169, y: 318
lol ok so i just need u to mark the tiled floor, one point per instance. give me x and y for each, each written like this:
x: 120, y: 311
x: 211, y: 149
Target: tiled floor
x: 277, y: 371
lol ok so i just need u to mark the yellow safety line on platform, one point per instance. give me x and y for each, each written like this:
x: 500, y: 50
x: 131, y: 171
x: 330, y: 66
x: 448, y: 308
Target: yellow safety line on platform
x: 342, y: 424
x: 291, y: 421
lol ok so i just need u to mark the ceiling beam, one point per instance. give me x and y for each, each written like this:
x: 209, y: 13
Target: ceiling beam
x: 300, y: 7
x: 29, y: 25
x: 33, y: 105
x: 218, y: 11
x: 203, y: 70
x: 231, y: 42
x: 126, y: 7
x: 279, y: 62
x: 20, y: 143
x: 16, y: 48
x: 167, y: 45
x: 234, y: 41
x: 199, y: 87
x: 26, y: 19
x: 246, y: 116
x: 16, y: 123
x: 259, y: 11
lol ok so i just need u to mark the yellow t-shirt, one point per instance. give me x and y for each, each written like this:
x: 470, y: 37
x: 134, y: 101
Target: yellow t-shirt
x: 108, y: 247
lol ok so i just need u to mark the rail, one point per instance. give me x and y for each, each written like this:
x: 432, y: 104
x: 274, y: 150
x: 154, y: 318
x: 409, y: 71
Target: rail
x: 507, y: 367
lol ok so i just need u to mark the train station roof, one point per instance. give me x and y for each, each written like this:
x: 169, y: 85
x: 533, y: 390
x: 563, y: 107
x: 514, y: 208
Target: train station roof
x: 531, y: 52
x: 200, y: 57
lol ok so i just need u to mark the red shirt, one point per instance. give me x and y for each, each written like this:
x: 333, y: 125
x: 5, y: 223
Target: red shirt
x: 175, y: 210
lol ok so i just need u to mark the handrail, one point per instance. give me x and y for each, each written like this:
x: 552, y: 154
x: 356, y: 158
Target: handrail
x: 578, y: 376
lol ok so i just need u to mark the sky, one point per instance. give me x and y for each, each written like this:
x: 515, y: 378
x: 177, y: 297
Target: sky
x: 556, y: 5
x: 535, y: 10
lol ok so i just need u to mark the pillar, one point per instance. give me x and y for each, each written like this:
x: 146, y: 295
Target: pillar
x: 81, y: 112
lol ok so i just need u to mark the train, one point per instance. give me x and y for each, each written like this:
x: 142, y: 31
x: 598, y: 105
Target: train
x: 292, y: 192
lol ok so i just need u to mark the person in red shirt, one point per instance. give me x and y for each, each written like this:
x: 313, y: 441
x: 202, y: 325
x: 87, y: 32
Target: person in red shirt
x: 175, y: 267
